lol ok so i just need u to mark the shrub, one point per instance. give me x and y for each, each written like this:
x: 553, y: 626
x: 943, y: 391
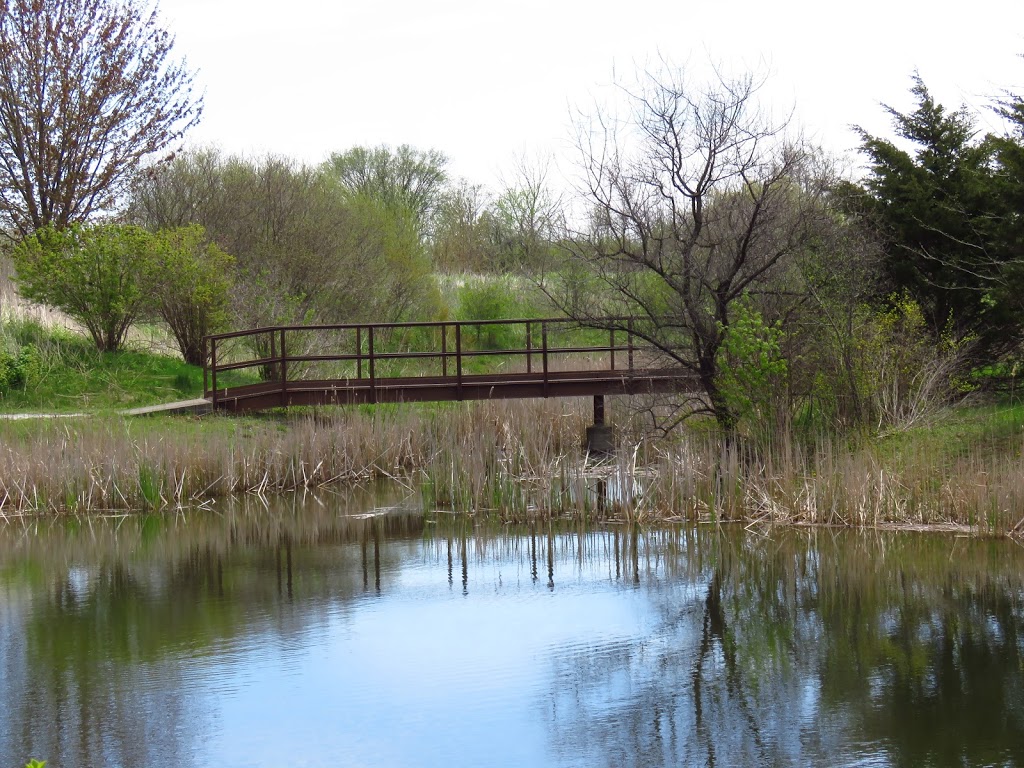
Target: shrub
x: 18, y: 369
x: 493, y: 299
x: 192, y: 280
x: 884, y: 370
x: 907, y: 375
x: 752, y: 369
x: 99, y: 275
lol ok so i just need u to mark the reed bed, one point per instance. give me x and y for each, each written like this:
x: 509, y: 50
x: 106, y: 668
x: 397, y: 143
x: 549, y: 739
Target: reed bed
x: 830, y: 483
x: 512, y: 460
x: 113, y: 463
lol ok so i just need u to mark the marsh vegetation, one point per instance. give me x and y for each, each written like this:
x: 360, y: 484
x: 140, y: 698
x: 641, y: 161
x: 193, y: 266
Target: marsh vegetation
x: 841, y: 331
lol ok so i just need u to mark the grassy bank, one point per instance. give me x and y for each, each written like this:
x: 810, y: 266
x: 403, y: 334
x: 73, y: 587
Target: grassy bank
x: 54, y: 369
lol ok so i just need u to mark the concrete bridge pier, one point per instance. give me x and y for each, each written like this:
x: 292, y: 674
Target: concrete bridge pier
x: 600, y: 438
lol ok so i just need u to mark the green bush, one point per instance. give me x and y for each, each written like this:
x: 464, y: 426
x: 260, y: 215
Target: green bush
x: 98, y: 275
x: 17, y: 370
x: 884, y: 371
x: 192, y: 280
x: 752, y: 369
x: 494, y: 299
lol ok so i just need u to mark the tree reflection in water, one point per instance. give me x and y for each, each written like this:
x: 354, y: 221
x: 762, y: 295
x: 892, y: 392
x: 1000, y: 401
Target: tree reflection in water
x: 811, y: 648
x: 790, y: 648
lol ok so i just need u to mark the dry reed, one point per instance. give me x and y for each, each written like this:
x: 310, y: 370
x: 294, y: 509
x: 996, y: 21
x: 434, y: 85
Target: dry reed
x: 513, y: 460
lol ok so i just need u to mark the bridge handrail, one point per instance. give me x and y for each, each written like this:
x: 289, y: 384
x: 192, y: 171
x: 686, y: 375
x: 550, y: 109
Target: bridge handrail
x: 280, y: 359
x: 595, y: 324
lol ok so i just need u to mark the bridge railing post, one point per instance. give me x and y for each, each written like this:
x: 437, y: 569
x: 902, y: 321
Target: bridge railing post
x: 359, y: 353
x: 529, y: 347
x: 373, y: 368
x: 458, y: 359
x: 272, y: 367
x: 213, y: 372
x: 284, y: 370
x: 444, y: 349
x: 544, y: 353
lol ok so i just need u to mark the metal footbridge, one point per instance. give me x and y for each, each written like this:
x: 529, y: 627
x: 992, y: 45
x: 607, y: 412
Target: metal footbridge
x: 367, y: 363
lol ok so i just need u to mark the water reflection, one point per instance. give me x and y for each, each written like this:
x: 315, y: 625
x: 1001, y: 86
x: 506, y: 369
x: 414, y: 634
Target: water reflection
x: 355, y: 629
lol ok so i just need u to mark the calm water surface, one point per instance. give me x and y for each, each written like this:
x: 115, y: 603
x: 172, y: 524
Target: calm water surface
x: 310, y: 633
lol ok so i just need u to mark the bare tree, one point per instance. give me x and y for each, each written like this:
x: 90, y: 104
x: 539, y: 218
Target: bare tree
x: 460, y: 239
x: 87, y: 90
x: 527, y: 218
x: 697, y: 201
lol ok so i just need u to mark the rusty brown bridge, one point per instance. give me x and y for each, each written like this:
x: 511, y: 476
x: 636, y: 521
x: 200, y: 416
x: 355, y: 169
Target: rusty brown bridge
x: 350, y: 364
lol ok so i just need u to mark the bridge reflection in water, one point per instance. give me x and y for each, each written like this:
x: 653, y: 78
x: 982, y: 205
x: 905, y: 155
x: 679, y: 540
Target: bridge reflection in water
x: 358, y: 627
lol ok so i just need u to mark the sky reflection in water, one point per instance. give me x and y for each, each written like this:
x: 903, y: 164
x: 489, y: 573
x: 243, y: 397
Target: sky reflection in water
x: 304, y: 636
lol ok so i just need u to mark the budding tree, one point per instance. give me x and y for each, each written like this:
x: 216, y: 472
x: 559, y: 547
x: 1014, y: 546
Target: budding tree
x: 700, y: 206
x: 405, y: 177
x: 87, y: 90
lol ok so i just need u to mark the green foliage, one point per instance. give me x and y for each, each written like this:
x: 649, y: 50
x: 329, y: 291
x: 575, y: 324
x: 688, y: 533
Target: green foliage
x: 890, y: 373
x: 150, y: 487
x: 306, y: 248
x: 406, y: 179
x: 942, y: 212
x: 192, y: 282
x: 36, y: 764
x: 905, y: 370
x: 392, y: 258
x: 498, y: 298
x: 1008, y: 235
x: 99, y: 275
x: 18, y: 369
x: 751, y: 368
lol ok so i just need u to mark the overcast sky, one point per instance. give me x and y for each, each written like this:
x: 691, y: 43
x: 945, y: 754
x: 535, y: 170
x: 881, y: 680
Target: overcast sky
x: 488, y: 81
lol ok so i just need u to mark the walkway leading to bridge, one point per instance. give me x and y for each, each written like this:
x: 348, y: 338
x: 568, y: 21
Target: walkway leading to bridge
x: 440, y: 361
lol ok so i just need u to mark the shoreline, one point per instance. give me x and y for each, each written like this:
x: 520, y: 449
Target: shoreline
x: 510, y: 460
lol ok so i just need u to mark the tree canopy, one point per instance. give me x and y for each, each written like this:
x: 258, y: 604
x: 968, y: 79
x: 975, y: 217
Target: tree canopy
x: 100, y: 276
x: 304, y: 248
x: 88, y: 89
x: 943, y: 206
x: 405, y: 177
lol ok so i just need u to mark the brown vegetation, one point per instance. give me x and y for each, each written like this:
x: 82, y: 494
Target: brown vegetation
x: 509, y: 460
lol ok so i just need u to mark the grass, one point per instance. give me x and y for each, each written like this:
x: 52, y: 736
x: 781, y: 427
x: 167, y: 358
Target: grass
x: 69, y: 375
x: 979, y: 431
x: 513, y: 461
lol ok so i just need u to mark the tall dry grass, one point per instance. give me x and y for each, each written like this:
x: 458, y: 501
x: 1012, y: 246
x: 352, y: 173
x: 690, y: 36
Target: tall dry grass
x: 831, y: 483
x: 113, y: 463
x: 512, y: 460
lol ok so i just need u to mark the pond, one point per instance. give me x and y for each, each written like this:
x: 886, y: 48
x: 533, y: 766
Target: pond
x: 355, y: 630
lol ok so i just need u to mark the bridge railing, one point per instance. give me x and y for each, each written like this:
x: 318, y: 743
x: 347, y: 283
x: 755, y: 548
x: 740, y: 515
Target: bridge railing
x: 369, y: 353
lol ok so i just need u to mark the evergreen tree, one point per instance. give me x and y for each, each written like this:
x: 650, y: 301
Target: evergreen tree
x: 1009, y: 172
x: 937, y: 207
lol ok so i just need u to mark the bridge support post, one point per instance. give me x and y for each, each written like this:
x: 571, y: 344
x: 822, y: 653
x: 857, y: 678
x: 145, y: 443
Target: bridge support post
x: 600, y: 438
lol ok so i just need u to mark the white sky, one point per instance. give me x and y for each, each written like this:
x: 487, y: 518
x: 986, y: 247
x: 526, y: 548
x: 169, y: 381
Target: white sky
x: 488, y: 81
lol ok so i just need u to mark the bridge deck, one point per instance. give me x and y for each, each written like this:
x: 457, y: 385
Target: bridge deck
x: 357, y: 355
